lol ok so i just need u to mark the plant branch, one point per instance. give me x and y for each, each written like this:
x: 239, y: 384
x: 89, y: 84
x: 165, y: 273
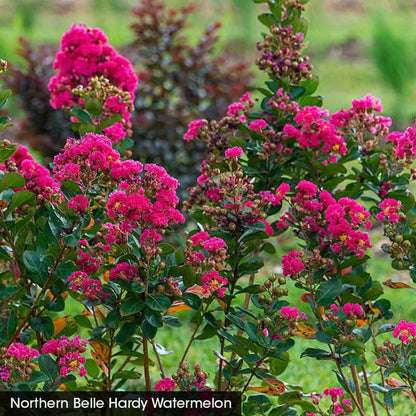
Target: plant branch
x: 162, y: 371
x: 356, y: 380
x: 370, y: 391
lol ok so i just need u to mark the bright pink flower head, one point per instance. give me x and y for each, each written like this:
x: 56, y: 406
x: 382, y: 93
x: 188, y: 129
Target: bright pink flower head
x: 124, y: 271
x: 214, y: 244
x: 20, y: 351
x: 193, y: 129
x: 78, y: 203
x: 85, y: 54
x: 291, y: 263
x: 198, y: 238
x: 334, y: 393
x: 353, y: 310
x: 213, y: 283
x: 405, y: 331
x: 258, y: 125
x: 292, y: 314
x: 391, y: 210
x: 167, y: 384
x: 233, y: 152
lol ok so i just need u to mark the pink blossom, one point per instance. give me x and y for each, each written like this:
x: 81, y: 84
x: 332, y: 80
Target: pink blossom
x: 198, y: 238
x: 404, y: 330
x: 78, y: 203
x: 214, y: 244
x: 352, y: 309
x: 257, y: 125
x: 233, y: 152
x: 124, y: 271
x: 334, y: 393
x: 291, y: 264
x: 214, y: 283
x: 193, y: 129
x: 390, y: 210
x: 167, y: 384
x: 292, y: 314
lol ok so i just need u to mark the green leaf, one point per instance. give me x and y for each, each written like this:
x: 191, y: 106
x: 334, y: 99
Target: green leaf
x: 131, y: 306
x: 148, y: 330
x: 47, y: 366
x: 166, y: 248
x: 20, y: 198
x: 34, y: 263
x: 153, y: 318
x: 158, y: 302
x: 43, y: 324
x: 113, y: 318
x: 251, y: 266
x: 172, y: 321
x: 327, y: 292
x: 192, y: 300
x: 93, y: 106
x: 354, y: 359
x: 83, y: 321
x: 317, y: 354
x: 128, y: 375
x: 268, y: 19
x: 388, y: 397
x: 11, y: 180
x: 81, y: 115
x: 70, y: 189
x: 125, y: 332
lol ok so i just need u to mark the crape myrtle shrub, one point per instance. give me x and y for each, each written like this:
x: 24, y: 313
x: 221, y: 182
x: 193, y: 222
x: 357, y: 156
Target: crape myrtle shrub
x: 179, y: 81
x: 91, y: 235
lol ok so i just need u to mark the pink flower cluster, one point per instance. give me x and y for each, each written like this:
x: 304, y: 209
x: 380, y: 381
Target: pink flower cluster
x: 83, y: 160
x: 85, y: 54
x: 361, y: 120
x: 391, y: 210
x: 404, y: 144
x: 352, y: 310
x: 238, y: 108
x: 69, y: 353
x: 292, y: 314
x: 38, y: 178
x: 78, y: 203
x: 149, y: 202
x: 19, y: 356
x: 87, y: 263
x: 21, y: 352
x: 336, y: 224
x: 339, y: 407
x: 194, y: 128
x: 167, y: 384
x: 405, y: 331
x: 258, y: 125
x: 277, y: 197
x: 124, y: 271
x: 291, y: 263
x: 213, y: 283
x: 215, y: 247
x: 317, y: 133
x: 233, y: 152
x: 92, y: 288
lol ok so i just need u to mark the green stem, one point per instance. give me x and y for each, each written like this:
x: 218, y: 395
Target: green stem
x: 192, y: 339
x: 146, y: 365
